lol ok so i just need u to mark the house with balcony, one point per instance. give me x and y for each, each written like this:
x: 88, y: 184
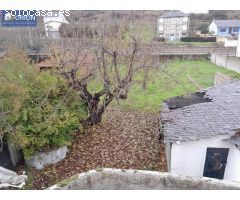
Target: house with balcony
x: 225, y: 27
x: 173, y: 25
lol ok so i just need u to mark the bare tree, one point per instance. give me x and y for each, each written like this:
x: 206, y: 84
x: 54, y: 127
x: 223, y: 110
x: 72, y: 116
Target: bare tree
x: 112, y: 58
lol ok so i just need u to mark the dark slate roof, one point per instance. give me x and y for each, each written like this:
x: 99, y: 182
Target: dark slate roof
x: 173, y: 13
x: 204, y: 120
x: 227, y: 23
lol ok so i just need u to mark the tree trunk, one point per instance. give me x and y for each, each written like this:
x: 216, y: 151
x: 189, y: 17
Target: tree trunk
x: 96, y: 111
x: 145, y: 79
x: 93, y: 119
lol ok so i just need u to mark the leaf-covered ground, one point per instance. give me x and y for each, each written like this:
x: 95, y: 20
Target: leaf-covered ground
x: 125, y: 139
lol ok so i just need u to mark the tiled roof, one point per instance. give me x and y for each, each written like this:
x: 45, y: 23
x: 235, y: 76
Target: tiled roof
x: 204, y: 120
x: 227, y: 23
x: 174, y: 13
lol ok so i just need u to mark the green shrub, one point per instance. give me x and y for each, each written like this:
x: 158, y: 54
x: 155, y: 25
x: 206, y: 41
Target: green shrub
x: 198, y: 39
x: 42, y: 111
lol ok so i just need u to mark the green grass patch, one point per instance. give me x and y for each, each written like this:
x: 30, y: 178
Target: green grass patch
x: 161, y: 86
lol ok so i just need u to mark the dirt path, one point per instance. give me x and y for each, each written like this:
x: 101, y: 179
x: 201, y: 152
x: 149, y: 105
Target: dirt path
x: 123, y: 140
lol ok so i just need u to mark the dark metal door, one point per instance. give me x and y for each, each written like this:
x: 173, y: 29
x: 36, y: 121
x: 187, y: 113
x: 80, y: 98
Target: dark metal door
x: 215, y: 162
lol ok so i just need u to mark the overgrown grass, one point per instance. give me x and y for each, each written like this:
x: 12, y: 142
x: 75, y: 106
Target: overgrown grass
x: 161, y: 86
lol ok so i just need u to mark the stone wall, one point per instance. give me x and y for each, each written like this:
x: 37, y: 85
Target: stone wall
x: 118, y: 179
x: 229, y: 62
x: 41, y: 159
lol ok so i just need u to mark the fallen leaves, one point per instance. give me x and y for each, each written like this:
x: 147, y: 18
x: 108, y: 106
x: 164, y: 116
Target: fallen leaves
x: 125, y: 139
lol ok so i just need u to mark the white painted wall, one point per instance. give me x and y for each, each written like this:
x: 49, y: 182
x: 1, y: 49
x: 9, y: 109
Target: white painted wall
x: 188, y: 158
x: 230, y: 43
x: 172, y: 28
x: 213, y: 28
x: 52, y: 25
x: 238, y: 47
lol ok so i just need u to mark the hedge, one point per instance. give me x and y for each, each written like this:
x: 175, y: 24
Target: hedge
x: 159, y: 39
x: 198, y: 39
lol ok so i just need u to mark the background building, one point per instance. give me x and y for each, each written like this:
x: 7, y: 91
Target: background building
x: 225, y: 27
x: 173, y: 25
x: 53, y: 23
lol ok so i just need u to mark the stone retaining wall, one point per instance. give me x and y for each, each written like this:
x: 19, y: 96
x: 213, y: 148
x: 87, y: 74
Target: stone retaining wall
x: 39, y: 160
x: 117, y: 179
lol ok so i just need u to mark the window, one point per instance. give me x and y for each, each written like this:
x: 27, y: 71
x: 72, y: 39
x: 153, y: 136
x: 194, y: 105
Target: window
x: 178, y: 19
x: 177, y: 27
x: 167, y: 27
x: 222, y: 30
x: 184, y: 28
x: 168, y: 20
x: 235, y: 29
x: 160, y: 20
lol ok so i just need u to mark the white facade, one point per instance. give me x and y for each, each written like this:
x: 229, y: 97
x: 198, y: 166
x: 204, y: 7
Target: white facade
x: 238, y: 47
x: 172, y: 28
x: 188, y: 158
x: 213, y: 28
x: 52, y: 25
x: 228, y: 42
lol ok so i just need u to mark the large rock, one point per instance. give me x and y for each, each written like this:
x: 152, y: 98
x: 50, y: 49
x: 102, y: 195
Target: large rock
x: 39, y: 160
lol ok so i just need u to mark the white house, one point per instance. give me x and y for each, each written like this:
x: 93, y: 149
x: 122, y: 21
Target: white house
x: 173, y: 25
x: 202, y: 132
x: 52, y: 24
x: 225, y: 27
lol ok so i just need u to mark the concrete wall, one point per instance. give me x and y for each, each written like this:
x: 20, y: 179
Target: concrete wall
x: 230, y: 43
x: 112, y: 179
x: 188, y: 158
x: 238, y: 47
x: 229, y: 62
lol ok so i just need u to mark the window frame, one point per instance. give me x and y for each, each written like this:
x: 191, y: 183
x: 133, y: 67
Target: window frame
x: 221, y: 30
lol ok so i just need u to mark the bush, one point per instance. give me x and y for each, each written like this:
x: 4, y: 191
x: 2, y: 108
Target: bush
x: 198, y: 39
x: 42, y: 112
x: 159, y: 39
